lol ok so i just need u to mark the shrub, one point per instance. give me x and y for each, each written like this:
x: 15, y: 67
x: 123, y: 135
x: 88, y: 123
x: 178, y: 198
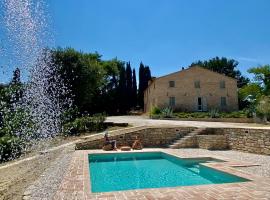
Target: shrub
x: 214, y: 113
x: 167, y: 112
x: 155, y: 111
x: 84, y: 124
x: 263, y: 107
x: 10, y: 148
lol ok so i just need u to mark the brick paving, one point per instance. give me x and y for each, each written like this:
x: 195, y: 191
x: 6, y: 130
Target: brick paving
x: 76, y: 184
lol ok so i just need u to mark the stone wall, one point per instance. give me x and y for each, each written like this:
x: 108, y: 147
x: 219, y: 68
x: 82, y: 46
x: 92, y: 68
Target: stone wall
x: 212, y: 142
x: 186, y: 94
x: 234, y: 120
x: 247, y: 140
x: 150, y: 137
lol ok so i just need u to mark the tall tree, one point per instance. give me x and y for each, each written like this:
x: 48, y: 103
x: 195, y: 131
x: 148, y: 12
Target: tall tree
x: 144, y: 77
x: 16, y: 79
x: 224, y: 66
x: 141, y: 81
x: 257, y: 93
x: 129, y: 86
x: 122, y: 91
x: 16, y: 87
x: 134, y: 88
x: 262, y: 77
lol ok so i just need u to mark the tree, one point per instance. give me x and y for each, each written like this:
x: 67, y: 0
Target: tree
x: 262, y: 77
x: 257, y: 93
x: 144, y: 77
x: 122, y: 90
x: 16, y: 87
x: 16, y: 77
x: 134, y: 88
x: 141, y: 86
x: 224, y: 66
x: 263, y: 108
x: 93, y: 83
x: 129, y: 86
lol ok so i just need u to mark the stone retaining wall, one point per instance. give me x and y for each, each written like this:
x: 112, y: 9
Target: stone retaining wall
x: 247, y: 140
x: 233, y: 120
x: 150, y: 137
x: 212, y: 142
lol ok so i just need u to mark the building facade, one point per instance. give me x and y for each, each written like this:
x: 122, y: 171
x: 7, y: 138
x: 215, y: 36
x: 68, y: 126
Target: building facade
x: 191, y: 90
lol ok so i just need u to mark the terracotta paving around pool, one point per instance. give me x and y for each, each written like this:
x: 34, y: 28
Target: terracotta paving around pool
x: 76, y: 184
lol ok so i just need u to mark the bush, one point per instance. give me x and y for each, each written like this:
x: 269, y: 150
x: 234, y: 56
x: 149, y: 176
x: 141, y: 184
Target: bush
x: 263, y: 108
x: 214, y: 113
x: 192, y: 115
x: 155, y: 111
x: 84, y: 124
x: 10, y: 148
x: 167, y: 112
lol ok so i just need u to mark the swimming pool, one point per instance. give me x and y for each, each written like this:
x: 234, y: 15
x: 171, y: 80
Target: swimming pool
x: 126, y: 171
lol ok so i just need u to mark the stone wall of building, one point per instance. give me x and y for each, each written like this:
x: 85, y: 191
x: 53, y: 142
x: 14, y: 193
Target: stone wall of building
x: 150, y: 137
x: 212, y: 142
x: 186, y: 94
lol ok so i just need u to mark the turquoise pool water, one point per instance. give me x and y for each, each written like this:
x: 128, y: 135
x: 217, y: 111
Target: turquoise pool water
x: 126, y: 171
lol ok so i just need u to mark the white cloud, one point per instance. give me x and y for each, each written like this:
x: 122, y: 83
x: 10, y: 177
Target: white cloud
x: 249, y: 59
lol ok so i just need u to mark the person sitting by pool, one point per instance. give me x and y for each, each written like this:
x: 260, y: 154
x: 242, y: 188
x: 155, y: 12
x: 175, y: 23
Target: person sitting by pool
x: 109, y: 142
x: 137, y: 144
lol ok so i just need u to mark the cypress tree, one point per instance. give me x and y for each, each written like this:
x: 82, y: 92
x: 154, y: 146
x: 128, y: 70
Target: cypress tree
x: 141, y: 80
x: 122, y: 90
x: 145, y: 77
x: 134, y: 88
x: 129, y: 86
x: 16, y: 79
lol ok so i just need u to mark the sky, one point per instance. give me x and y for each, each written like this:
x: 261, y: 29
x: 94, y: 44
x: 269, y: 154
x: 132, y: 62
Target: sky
x: 165, y: 34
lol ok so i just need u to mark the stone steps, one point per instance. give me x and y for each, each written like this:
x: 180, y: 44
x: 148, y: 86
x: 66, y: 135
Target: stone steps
x: 187, y: 141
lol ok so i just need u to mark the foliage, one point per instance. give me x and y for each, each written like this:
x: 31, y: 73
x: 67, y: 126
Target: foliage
x: 262, y: 77
x: 263, y: 107
x: 214, y: 113
x: 84, y: 124
x: 155, y: 111
x: 236, y: 114
x: 167, y: 112
x: 97, y: 85
x: 250, y: 92
x: 134, y: 89
x: 10, y: 148
x: 144, y: 77
x: 256, y: 92
x: 224, y: 66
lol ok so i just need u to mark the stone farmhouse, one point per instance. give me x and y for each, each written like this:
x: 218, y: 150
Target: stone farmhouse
x: 192, y: 89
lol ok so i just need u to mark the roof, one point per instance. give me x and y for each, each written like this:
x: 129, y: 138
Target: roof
x: 189, y: 69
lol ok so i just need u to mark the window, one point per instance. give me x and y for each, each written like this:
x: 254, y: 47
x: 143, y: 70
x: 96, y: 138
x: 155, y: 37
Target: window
x: 200, y: 104
x: 222, y: 84
x: 223, y: 102
x: 172, y: 101
x: 171, y: 84
x: 197, y: 84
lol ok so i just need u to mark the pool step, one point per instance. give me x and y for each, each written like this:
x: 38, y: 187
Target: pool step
x: 187, y: 141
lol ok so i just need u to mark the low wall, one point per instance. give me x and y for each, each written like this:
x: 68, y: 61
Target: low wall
x: 150, y: 137
x: 212, y: 142
x: 241, y: 139
x: 233, y: 120
x: 244, y: 139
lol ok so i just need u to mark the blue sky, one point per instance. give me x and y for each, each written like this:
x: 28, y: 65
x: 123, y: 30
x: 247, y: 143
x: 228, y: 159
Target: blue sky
x: 165, y: 34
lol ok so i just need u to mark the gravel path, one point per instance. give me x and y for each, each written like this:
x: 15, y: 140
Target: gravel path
x: 15, y: 179
x: 145, y: 121
x: 49, y: 181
